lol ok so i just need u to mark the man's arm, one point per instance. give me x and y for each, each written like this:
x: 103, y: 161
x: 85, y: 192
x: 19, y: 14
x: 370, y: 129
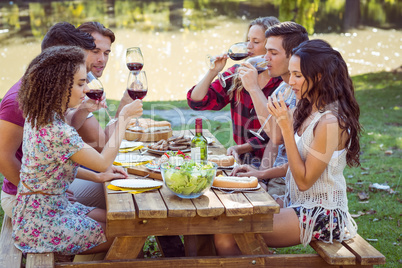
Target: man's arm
x: 10, y: 140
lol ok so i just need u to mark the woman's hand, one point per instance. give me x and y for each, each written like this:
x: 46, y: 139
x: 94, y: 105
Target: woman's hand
x: 249, y: 76
x: 93, y: 105
x: 220, y: 62
x: 112, y: 173
x: 245, y: 171
x: 234, y: 151
x: 280, y: 111
x: 133, y: 109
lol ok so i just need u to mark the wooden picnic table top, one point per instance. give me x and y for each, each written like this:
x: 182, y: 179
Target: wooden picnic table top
x: 131, y: 218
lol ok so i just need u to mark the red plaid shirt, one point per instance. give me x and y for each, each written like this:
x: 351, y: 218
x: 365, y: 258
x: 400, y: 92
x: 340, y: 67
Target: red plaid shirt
x: 244, y: 117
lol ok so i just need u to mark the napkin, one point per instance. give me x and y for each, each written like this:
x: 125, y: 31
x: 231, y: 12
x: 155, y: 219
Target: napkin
x: 126, y: 150
x: 130, y: 164
x: 131, y: 190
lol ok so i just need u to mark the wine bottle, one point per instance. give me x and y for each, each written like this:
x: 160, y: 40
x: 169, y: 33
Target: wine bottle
x: 199, y: 148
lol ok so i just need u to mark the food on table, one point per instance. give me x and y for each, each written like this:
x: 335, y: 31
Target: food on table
x: 222, y: 160
x: 149, y: 126
x: 189, y: 179
x: 235, y: 182
x: 174, y: 143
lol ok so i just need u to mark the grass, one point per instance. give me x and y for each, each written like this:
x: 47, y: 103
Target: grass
x: 379, y: 96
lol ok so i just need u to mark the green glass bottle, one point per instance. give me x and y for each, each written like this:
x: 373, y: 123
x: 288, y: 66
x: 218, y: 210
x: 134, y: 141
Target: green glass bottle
x: 199, y: 145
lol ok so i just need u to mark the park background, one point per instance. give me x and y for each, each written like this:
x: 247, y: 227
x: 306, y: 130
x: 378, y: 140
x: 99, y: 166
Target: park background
x: 175, y: 37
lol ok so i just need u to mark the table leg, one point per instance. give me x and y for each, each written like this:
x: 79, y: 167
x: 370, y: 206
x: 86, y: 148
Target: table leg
x: 125, y: 247
x: 251, y: 244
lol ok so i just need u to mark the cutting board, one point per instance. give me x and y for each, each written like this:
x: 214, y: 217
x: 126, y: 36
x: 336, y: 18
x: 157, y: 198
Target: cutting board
x: 143, y: 171
x: 148, y: 137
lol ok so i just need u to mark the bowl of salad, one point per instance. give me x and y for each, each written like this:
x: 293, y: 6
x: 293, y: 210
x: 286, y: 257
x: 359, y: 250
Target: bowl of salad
x: 188, y: 179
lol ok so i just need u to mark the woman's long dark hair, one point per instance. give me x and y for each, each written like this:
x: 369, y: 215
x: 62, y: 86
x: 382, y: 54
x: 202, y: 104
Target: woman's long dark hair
x: 331, y: 89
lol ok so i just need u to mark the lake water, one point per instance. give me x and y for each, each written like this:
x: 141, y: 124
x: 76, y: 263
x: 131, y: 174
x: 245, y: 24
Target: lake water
x: 175, y: 58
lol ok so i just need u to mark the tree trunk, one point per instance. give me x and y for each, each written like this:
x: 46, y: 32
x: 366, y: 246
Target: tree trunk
x: 351, y: 17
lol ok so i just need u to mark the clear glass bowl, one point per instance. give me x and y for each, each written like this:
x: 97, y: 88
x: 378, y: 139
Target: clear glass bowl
x: 189, y: 180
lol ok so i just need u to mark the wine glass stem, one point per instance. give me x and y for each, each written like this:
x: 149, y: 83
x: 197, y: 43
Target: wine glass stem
x: 229, y: 76
x: 110, y: 118
x: 263, y: 125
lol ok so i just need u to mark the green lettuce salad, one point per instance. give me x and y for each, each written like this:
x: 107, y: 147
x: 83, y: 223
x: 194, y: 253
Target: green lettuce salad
x: 189, y: 178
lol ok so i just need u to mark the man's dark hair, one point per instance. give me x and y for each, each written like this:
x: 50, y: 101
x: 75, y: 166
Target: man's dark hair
x: 94, y: 26
x: 292, y: 34
x: 65, y: 34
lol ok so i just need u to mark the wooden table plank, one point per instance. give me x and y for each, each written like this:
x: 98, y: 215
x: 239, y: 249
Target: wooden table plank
x: 334, y: 253
x: 236, y: 204
x: 119, y: 206
x: 262, y: 202
x: 365, y: 253
x: 259, y: 223
x: 251, y: 244
x: 125, y: 248
x: 177, y: 207
x: 208, y: 205
x: 150, y: 204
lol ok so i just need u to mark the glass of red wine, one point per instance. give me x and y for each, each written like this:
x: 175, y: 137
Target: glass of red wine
x: 137, y: 88
x: 258, y: 62
x: 96, y: 92
x: 237, y: 51
x: 287, y: 96
x: 134, y: 59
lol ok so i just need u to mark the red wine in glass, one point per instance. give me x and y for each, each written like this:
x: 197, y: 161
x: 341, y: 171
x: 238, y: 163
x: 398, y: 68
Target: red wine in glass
x: 137, y: 94
x: 238, y: 56
x: 135, y: 66
x: 95, y: 94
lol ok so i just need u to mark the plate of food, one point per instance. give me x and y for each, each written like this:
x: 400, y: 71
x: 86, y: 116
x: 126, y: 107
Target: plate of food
x: 136, y: 183
x: 153, y: 166
x: 223, y: 161
x: 230, y: 183
x: 130, y: 144
x: 174, y: 143
x: 167, y: 151
x: 209, y: 139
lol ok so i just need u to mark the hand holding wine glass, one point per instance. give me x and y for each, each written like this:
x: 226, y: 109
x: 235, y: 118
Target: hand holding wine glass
x: 96, y: 92
x: 287, y: 96
x: 134, y: 59
x: 237, y: 51
x: 258, y: 62
x: 137, y: 88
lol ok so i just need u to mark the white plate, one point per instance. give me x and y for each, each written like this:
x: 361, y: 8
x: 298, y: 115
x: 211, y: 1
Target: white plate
x: 130, y: 144
x: 136, y: 183
x: 228, y: 167
x: 133, y: 158
x: 237, y: 189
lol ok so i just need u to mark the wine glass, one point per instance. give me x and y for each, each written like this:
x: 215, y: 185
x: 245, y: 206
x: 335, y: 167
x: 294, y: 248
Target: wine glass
x: 134, y: 59
x: 137, y: 88
x: 258, y: 62
x: 237, y: 51
x: 96, y: 92
x: 287, y: 97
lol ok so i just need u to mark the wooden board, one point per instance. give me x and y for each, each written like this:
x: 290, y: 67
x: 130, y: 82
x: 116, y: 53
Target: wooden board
x: 148, y: 137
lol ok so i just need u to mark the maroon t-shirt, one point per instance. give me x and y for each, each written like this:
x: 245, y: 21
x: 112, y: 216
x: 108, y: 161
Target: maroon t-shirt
x: 10, y: 112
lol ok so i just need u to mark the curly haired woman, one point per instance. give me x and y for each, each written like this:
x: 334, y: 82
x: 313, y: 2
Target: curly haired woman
x: 321, y: 138
x: 208, y: 95
x: 43, y: 219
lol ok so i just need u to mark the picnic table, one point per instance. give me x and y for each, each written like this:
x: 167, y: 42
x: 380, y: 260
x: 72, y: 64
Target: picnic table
x: 132, y: 218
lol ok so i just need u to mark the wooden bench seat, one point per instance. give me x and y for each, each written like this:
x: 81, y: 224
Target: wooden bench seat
x: 356, y: 251
x: 11, y: 257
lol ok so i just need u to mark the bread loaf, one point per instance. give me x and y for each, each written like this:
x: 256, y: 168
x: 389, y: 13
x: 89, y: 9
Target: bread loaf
x: 235, y: 182
x: 222, y: 160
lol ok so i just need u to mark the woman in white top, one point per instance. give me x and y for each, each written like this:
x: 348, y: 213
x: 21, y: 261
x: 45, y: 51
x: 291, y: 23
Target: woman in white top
x: 321, y: 137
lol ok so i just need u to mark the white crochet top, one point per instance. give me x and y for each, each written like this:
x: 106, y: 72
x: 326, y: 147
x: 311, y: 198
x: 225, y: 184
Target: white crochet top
x: 328, y: 192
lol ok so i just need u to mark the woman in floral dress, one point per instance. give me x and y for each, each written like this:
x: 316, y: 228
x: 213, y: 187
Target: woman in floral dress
x: 43, y: 219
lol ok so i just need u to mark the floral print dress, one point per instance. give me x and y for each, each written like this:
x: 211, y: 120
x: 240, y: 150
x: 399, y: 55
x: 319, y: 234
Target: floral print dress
x: 43, y: 219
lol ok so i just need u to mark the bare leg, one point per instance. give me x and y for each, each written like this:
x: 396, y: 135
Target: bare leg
x: 286, y: 232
